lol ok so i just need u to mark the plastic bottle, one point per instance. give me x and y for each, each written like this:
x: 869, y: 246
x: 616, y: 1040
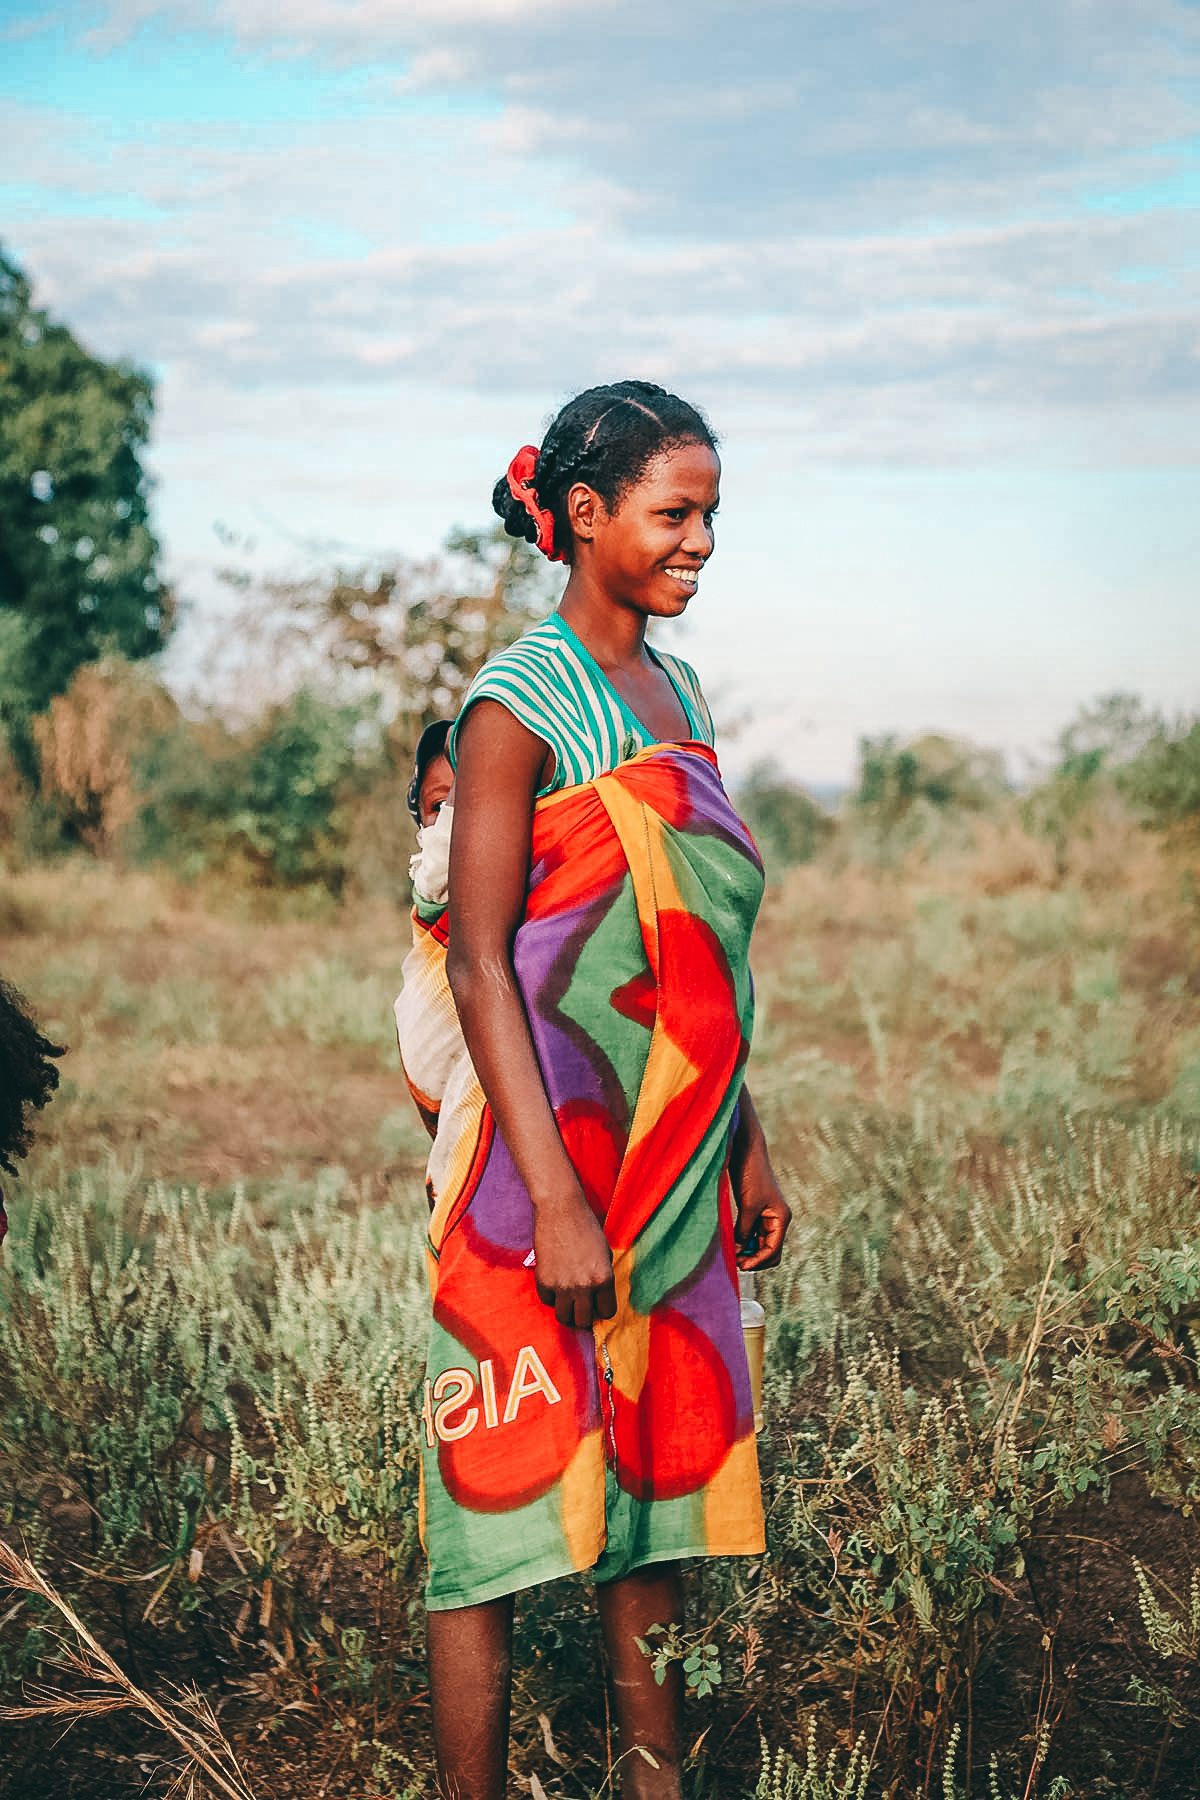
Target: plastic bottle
x: 754, y: 1324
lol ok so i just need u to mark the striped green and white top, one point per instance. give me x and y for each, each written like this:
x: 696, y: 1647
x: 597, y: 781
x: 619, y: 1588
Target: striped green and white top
x: 556, y: 688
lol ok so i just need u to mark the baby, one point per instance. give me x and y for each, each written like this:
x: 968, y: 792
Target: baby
x: 431, y: 803
x: 436, y: 1065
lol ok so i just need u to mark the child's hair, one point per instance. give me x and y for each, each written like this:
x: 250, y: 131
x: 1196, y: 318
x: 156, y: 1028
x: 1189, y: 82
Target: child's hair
x: 27, y: 1078
x: 605, y: 437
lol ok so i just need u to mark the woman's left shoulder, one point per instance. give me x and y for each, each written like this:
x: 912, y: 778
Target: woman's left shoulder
x: 688, y: 683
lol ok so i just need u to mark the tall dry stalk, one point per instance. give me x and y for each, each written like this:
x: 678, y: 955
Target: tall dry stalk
x: 189, y: 1720
x: 87, y: 743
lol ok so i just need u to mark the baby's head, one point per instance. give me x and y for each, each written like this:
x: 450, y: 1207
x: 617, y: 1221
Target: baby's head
x: 27, y: 1078
x: 433, y: 778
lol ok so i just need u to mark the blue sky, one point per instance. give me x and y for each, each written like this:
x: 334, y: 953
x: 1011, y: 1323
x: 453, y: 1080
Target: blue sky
x: 934, y: 272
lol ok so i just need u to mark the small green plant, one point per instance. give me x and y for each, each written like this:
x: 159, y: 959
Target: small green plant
x: 783, y: 1778
x: 697, y: 1655
x: 1169, y: 1633
x: 1060, y: 1788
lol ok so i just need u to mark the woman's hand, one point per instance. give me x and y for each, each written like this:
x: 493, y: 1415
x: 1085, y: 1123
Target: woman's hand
x: 573, y: 1262
x: 763, y: 1215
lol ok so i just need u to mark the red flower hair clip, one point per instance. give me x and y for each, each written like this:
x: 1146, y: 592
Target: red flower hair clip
x: 521, y: 471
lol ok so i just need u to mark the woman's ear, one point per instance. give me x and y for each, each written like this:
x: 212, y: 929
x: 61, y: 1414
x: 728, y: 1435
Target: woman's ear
x: 584, y: 506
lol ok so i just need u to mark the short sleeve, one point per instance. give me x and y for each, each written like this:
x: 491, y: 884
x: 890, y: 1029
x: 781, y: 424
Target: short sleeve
x: 687, y: 685
x: 494, y: 683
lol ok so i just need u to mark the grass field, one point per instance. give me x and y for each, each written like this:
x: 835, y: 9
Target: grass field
x: 979, y: 1065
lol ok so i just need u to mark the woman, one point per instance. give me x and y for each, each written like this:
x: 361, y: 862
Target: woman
x: 587, y: 1403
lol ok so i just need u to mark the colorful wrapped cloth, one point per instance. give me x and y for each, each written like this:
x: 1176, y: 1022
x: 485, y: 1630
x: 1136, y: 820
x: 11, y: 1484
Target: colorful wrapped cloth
x: 548, y: 1449
x: 433, y: 1054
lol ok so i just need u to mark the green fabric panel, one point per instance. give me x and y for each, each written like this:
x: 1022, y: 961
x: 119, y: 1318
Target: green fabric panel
x: 667, y: 1250
x: 718, y: 885
x: 640, y: 1534
x: 714, y: 881
x: 610, y: 957
x: 488, y: 1547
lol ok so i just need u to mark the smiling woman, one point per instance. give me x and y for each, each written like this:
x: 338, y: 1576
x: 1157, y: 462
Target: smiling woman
x: 588, y: 1401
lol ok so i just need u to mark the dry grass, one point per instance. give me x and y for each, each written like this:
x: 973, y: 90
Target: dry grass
x: 208, y: 1761
x: 214, y: 1044
x: 219, y: 1038
x: 216, y: 1036
x: 87, y: 742
x: 979, y: 985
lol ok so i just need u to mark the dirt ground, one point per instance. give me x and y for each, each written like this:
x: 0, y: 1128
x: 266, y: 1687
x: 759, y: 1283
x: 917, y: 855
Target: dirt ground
x: 1068, y: 1640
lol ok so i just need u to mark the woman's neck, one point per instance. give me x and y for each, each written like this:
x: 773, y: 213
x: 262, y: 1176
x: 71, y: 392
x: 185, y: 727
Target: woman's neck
x: 615, y: 635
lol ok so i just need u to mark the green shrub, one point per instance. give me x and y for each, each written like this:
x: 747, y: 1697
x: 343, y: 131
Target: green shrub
x: 122, y: 1334
x: 346, y: 1330
x: 910, y: 793
x: 787, y: 824
x: 955, y: 1370
x: 1117, y: 750
x: 961, y: 1342
x: 1165, y: 778
x: 272, y: 797
x: 186, y: 1373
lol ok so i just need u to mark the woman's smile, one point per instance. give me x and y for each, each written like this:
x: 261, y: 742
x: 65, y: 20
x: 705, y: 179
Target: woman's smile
x: 661, y: 527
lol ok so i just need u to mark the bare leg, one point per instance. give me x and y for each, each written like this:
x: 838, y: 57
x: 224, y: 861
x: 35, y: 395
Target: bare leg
x: 470, y: 1682
x: 646, y: 1713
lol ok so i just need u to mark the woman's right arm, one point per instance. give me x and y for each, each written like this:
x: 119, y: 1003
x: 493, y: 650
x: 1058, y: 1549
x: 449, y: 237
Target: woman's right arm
x: 498, y: 775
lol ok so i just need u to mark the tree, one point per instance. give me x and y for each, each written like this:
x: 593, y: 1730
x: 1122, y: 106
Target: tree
x: 89, y: 741
x: 788, y: 825
x: 943, y: 772
x: 1113, y: 731
x: 1164, y: 778
x: 413, y: 634
x: 1102, y: 754
x: 78, y: 562
x: 301, y: 782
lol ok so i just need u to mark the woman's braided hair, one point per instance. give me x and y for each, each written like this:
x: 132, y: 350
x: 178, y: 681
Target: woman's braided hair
x: 606, y: 437
x: 27, y: 1078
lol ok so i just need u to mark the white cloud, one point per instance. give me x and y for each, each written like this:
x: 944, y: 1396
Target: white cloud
x: 865, y: 237
x: 357, y: 29
x: 870, y: 331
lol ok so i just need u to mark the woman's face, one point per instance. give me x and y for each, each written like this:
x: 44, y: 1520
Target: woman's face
x: 436, y: 788
x: 648, y: 553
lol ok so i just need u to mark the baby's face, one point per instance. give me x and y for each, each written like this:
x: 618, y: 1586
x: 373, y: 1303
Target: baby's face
x: 436, y: 789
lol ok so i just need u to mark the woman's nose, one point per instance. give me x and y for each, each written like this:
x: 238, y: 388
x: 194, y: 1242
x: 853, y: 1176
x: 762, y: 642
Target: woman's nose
x: 699, y: 537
